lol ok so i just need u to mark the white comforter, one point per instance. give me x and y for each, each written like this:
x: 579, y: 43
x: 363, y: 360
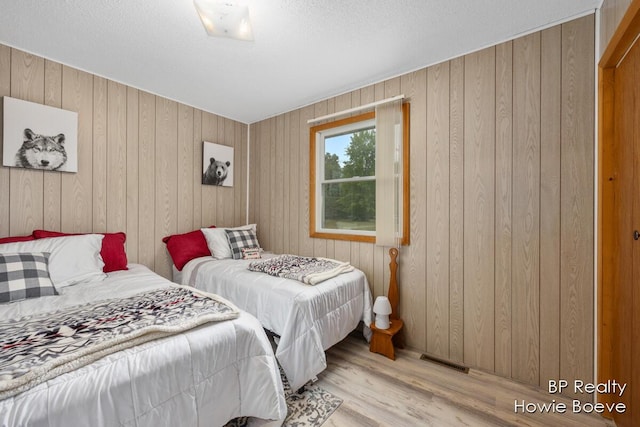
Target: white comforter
x: 309, y: 319
x: 203, y: 377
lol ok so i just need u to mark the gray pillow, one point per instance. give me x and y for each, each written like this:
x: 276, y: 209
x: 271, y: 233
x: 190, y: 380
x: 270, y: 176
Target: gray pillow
x: 25, y: 275
x: 239, y: 239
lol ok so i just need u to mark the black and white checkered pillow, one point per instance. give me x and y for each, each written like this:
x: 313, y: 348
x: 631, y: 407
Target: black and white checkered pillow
x: 239, y: 239
x: 25, y: 275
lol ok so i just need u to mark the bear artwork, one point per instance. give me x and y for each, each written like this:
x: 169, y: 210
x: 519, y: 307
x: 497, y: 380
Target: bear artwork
x: 41, y: 151
x: 216, y: 173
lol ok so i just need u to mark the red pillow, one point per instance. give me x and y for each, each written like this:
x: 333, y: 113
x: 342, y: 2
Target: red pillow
x: 12, y: 239
x: 113, y: 252
x: 185, y: 247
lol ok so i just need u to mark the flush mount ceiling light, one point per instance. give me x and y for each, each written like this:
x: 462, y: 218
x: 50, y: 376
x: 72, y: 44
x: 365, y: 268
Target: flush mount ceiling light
x: 225, y: 19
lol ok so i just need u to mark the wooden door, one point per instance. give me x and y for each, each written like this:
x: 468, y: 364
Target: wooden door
x: 619, y: 297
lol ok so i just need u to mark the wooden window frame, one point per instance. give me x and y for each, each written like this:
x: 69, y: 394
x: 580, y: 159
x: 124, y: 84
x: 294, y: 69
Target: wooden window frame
x: 313, y: 131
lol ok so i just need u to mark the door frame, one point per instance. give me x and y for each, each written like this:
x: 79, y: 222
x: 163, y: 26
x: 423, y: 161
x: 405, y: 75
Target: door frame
x: 622, y: 40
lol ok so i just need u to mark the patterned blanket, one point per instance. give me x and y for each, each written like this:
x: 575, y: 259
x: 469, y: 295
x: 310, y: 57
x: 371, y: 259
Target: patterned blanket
x: 38, y: 347
x: 304, y: 269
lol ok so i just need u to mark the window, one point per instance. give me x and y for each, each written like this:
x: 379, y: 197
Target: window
x: 343, y: 179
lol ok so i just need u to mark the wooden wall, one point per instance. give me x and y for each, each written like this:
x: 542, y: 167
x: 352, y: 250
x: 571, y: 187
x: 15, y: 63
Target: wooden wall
x: 611, y: 13
x: 499, y: 273
x: 139, y: 163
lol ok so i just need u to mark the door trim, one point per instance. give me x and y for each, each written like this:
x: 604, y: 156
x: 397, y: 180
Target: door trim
x: 622, y: 40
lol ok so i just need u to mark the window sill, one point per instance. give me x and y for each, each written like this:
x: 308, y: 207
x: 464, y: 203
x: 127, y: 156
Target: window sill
x: 339, y: 236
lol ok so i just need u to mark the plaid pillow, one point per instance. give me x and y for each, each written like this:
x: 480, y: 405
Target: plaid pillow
x: 25, y: 275
x: 239, y: 239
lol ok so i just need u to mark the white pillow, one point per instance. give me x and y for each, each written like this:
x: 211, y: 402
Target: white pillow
x: 218, y: 242
x: 73, y: 259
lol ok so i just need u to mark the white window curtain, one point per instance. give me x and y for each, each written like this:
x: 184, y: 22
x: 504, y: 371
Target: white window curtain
x: 389, y: 174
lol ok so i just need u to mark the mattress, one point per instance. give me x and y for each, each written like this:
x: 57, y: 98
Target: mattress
x: 308, y: 319
x: 204, y: 376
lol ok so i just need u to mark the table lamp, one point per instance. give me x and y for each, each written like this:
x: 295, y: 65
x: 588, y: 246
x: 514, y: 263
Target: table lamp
x: 382, y: 309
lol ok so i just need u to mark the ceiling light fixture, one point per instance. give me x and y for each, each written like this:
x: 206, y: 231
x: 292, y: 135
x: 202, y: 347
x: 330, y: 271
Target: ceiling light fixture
x: 225, y: 19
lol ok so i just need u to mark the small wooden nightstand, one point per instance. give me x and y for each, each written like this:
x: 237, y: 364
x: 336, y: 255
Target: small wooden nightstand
x: 382, y: 339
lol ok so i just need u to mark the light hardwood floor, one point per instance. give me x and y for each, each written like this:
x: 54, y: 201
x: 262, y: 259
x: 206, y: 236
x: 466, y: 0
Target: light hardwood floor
x: 411, y: 392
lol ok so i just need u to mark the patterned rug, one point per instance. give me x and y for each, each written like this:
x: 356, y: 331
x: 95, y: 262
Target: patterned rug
x: 310, y: 406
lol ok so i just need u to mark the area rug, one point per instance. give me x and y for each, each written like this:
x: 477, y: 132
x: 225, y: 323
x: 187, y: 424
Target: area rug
x: 309, y: 406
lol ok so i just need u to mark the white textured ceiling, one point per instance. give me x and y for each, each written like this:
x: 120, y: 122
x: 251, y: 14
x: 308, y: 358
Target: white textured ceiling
x: 304, y: 50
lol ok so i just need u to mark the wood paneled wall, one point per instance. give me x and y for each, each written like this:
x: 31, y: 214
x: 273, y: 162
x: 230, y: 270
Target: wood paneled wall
x: 139, y: 163
x: 499, y: 273
x: 611, y: 13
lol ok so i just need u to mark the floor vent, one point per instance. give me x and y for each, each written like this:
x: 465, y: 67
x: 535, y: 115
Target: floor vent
x: 445, y: 363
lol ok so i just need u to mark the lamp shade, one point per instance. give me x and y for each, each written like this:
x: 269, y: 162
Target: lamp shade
x: 382, y: 306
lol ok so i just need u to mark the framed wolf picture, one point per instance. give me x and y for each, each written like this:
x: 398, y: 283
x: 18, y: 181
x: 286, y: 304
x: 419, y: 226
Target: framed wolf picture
x: 217, y: 164
x: 40, y: 137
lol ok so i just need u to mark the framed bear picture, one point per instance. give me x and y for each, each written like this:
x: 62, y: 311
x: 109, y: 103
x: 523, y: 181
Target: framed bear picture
x: 217, y: 164
x: 37, y: 136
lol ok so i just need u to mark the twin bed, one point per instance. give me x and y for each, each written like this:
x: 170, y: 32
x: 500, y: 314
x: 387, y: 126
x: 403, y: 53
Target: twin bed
x: 204, y: 376
x: 307, y: 319
x: 207, y: 374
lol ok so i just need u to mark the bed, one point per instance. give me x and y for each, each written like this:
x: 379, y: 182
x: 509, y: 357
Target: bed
x: 307, y: 319
x: 206, y: 375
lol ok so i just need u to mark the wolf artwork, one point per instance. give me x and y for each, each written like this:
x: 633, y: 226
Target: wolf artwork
x: 41, y: 151
x: 216, y: 173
